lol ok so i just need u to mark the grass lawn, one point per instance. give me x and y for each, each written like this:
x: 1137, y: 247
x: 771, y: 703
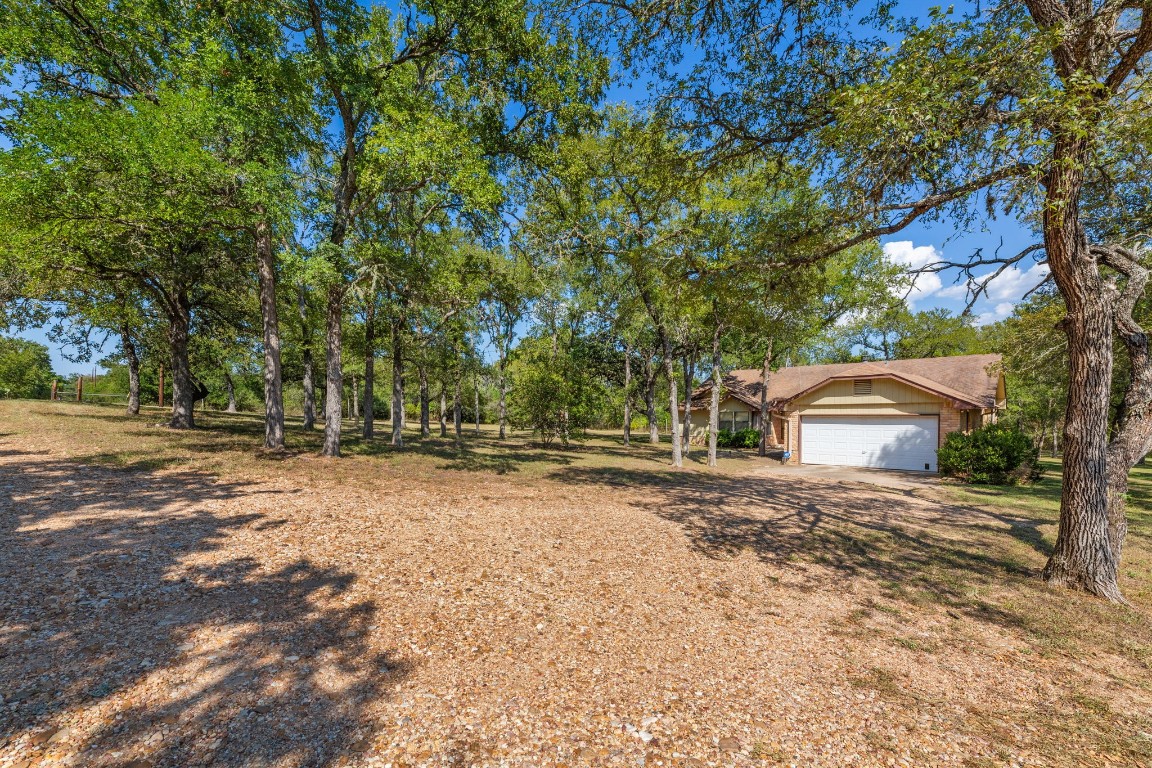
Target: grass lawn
x: 171, y: 599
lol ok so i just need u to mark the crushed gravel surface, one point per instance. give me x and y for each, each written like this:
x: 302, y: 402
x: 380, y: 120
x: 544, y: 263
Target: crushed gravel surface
x: 586, y: 616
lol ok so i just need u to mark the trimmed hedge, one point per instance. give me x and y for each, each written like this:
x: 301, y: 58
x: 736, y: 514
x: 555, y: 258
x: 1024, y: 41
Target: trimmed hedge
x: 744, y: 438
x: 995, y: 454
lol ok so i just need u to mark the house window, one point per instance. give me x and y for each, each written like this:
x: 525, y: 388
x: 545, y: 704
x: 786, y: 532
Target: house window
x: 741, y: 420
x: 862, y: 387
x: 726, y: 420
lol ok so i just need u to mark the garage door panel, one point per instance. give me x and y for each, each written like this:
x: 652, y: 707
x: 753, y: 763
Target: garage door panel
x: 888, y: 442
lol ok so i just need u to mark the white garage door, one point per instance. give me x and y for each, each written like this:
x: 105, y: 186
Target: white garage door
x: 888, y: 442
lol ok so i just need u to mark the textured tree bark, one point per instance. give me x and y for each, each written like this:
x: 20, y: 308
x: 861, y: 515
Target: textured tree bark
x: 333, y: 375
x: 133, y: 361
x: 397, y: 382
x: 273, y: 382
x: 183, y: 390
x: 765, y: 372
x: 425, y: 429
x: 231, y: 392
x: 443, y: 412
x: 1133, y: 430
x: 370, y: 366
x: 1082, y: 557
x: 627, y: 395
x: 308, y: 382
x: 714, y: 402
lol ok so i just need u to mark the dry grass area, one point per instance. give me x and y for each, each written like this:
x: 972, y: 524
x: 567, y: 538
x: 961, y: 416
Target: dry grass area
x: 178, y: 599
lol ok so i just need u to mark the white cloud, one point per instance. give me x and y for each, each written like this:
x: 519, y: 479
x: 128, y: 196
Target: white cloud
x: 999, y: 312
x: 954, y: 291
x: 1014, y: 282
x: 906, y: 254
x: 912, y: 256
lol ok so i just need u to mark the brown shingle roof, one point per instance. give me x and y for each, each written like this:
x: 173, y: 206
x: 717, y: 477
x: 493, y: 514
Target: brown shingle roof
x: 967, y: 378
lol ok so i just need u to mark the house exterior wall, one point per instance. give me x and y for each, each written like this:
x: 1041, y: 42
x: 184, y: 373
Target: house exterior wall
x: 699, y: 430
x: 888, y: 398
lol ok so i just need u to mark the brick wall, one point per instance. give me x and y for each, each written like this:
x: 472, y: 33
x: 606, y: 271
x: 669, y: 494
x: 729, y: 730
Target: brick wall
x: 794, y: 437
x: 949, y: 420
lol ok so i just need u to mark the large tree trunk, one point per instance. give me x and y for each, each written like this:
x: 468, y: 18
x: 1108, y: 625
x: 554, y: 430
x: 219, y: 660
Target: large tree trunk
x: 231, y: 392
x: 765, y: 372
x: 627, y: 395
x: 133, y: 361
x: 1133, y: 430
x: 1082, y: 557
x: 183, y: 389
x: 397, y: 382
x: 714, y: 402
x: 308, y: 382
x: 443, y: 412
x: 370, y: 366
x: 334, y: 376
x: 273, y: 384
x: 425, y: 429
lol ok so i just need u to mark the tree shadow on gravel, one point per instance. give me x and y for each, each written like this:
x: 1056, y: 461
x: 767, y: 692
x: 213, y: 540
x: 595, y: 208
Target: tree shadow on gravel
x: 116, y: 601
x: 922, y: 552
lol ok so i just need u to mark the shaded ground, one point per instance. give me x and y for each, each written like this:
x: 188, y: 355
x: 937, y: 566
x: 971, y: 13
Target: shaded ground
x: 173, y: 599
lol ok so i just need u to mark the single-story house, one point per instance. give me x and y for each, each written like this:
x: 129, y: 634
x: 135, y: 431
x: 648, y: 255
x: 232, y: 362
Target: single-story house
x: 892, y: 415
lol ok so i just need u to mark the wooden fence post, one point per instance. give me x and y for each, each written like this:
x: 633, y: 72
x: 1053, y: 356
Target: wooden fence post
x: 54, y: 395
x: 79, y: 389
x: 161, y: 386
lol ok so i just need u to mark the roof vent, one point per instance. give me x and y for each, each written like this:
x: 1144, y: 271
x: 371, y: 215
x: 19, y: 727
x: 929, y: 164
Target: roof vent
x: 862, y: 387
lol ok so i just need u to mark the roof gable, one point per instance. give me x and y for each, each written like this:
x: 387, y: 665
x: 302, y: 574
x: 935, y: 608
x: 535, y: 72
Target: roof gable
x: 967, y: 379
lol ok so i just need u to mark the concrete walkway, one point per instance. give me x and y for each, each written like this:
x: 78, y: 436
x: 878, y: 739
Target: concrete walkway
x: 884, y: 478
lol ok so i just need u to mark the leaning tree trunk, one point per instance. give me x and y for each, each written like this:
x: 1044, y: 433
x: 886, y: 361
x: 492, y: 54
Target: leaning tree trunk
x: 231, y: 387
x: 1082, y: 557
x: 397, y: 382
x: 133, y: 361
x: 1133, y: 430
x: 765, y: 372
x: 370, y: 366
x: 273, y: 382
x: 334, y: 376
x: 714, y: 402
x: 627, y: 395
x: 183, y: 389
x: 425, y: 429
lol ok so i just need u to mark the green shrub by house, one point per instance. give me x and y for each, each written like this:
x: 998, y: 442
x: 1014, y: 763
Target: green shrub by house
x: 743, y: 438
x: 996, y: 454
